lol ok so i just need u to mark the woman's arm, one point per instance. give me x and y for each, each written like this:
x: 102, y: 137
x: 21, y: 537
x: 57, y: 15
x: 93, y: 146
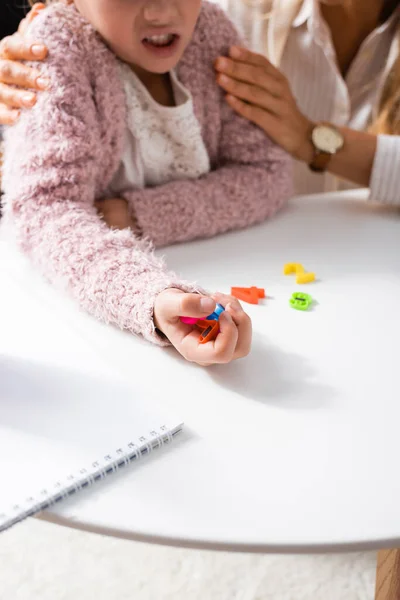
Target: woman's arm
x: 355, y: 160
x: 261, y: 93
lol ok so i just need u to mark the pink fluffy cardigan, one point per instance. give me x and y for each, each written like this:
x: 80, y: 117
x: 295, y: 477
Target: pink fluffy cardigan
x: 62, y: 155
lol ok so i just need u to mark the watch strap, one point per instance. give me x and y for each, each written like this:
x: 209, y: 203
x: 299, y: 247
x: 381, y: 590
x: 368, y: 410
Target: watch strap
x: 320, y: 161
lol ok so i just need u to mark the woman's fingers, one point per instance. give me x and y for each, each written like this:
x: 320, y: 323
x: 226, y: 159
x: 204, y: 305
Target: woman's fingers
x: 253, y: 79
x: 14, y: 73
x: 252, y: 94
x: 35, y: 10
x: 33, y: 13
x: 270, y: 123
x: 254, y: 75
x: 15, y: 98
x: 242, y: 62
x: 16, y: 47
x: 260, y: 93
x: 22, y: 26
x: 8, y: 116
x: 248, y: 57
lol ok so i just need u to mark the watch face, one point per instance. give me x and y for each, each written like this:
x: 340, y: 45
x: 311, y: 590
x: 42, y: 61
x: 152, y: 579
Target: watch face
x: 327, y: 139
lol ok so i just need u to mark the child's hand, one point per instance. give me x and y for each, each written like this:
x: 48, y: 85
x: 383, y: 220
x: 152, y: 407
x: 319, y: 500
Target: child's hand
x: 233, y: 341
x: 115, y: 212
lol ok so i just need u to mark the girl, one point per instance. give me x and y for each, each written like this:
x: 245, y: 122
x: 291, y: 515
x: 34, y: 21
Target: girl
x: 133, y: 113
x: 330, y: 61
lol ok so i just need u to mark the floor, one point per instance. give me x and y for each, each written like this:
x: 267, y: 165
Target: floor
x: 43, y: 561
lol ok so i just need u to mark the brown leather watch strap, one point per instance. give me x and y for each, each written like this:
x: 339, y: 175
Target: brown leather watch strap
x: 320, y: 161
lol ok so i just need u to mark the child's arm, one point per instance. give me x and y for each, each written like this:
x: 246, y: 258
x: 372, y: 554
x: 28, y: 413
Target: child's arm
x: 234, y: 196
x: 50, y: 173
x: 251, y: 181
x: 54, y: 159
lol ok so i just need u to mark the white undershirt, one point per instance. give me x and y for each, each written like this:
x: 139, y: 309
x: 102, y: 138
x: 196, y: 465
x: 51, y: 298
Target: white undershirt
x: 162, y: 143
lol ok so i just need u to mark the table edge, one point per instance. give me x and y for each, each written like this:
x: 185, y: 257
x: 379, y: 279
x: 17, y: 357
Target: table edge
x: 239, y: 547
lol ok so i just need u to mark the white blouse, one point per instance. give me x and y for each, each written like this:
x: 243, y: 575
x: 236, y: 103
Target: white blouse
x: 162, y: 143
x: 308, y: 61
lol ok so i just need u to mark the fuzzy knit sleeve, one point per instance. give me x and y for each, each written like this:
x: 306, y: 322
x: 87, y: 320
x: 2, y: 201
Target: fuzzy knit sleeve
x: 251, y: 178
x: 54, y: 158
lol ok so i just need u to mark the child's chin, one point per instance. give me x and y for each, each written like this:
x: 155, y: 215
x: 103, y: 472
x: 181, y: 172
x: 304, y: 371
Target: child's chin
x: 159, y: 67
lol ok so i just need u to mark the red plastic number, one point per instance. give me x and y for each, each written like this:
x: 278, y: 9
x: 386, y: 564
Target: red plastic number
x: 250, y: 295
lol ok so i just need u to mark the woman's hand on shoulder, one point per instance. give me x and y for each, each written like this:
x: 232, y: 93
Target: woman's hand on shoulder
x: 16, y: 79
x: 259, y: 92
x: 233, y: 341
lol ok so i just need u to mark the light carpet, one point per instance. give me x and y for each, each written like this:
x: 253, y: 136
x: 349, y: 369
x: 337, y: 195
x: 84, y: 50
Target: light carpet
x: 41, y: 561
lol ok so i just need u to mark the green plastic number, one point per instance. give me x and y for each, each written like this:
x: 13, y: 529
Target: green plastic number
x: 300, y: 301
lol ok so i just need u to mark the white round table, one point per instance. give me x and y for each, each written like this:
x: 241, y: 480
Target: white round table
x: 295, y: 448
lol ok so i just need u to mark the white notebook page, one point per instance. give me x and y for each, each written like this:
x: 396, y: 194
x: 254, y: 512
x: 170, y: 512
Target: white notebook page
x: 59, y: 427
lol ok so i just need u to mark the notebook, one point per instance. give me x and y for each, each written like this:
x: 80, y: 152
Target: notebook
x: 61, y: 431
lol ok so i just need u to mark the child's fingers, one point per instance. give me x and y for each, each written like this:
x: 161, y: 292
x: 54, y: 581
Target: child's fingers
x: 220, y: 351
x: 115, y: 212
x: 233, y: 340
x: 174, y: 303
x: 196, y: 305
x: 227, y: 339
x: 245, y: 328
x: 225, y: 299
x: 188, y: 305
x: 241, y: 320
x: 235, y: 309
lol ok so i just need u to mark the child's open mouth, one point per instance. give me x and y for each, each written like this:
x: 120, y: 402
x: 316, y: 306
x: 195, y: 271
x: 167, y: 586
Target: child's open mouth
x: 162, y: 45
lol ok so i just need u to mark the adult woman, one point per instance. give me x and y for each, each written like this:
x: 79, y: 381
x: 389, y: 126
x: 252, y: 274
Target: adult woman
x: 341, y: 64
x: 338, y: 63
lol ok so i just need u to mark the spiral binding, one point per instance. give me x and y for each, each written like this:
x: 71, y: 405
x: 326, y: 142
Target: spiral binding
x: 87, y: 476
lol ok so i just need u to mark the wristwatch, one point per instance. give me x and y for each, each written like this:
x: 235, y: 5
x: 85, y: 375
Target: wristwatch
x: 327, y: 141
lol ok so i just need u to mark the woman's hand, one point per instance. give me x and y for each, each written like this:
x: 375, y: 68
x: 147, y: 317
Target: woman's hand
x: 233, y: 341
x: 259, y: 92
x: 14, y: 75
